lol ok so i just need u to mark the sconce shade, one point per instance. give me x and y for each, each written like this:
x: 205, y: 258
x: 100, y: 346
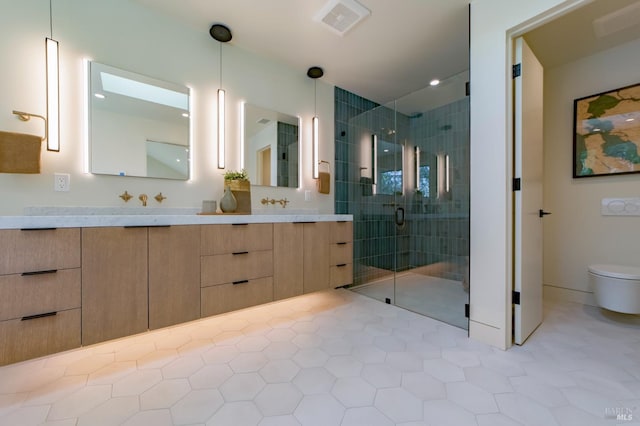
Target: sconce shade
x: 221, y: 128
x: 220, y: 32
x: 53, y: 95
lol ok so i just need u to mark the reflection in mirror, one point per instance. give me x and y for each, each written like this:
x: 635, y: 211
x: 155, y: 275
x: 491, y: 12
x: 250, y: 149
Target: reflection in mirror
x: 271, y: 147
x: 387, y: 165
x: 138, y: 126
x: 425, y: 164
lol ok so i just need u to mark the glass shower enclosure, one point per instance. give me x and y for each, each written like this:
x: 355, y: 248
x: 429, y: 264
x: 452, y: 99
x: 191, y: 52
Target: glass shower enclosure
x: 402, y: 171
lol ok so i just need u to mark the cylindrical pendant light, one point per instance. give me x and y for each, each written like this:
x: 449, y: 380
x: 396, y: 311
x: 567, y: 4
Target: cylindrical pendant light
x: 315, y: 73
x: 222, y: 34
x: 53, y: 88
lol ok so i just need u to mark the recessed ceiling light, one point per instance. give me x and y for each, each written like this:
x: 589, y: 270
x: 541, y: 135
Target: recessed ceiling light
x: 434, y: 82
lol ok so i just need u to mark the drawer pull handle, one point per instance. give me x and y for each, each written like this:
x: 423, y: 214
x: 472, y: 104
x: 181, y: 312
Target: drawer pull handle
x: 158, y: 226
x: 31, y: 317
x: 239, y: 224
x: 50, y: 271
x: 341, y: 265
x: 38, y: 229
x: 342, y: 221
x: 240, y: 252
x: 305, y: 222
x: 341, y: 243
x: 240, y: 282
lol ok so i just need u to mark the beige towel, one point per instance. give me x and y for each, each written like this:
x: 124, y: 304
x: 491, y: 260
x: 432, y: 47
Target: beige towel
x: 323, y: 183
x: 19, y: 153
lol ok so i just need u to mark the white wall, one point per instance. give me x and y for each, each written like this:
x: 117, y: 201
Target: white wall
x: 492, y: 22
x: 577, y: 235
x: 124, y: 34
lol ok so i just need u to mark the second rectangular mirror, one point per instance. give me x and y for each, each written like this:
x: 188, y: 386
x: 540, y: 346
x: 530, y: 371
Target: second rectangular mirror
x: 139, y: 126
x: 271, y: 147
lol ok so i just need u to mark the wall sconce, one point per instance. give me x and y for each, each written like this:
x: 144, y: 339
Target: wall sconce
x: 443, y: 175
x: 417, y: 160
x: 222, y: 34
x: 374, y: 161
x: 315, y: 73
x: 53, y: 89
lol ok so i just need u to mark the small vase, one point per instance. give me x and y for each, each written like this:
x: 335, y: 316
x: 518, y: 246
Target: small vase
x: 228, y: 203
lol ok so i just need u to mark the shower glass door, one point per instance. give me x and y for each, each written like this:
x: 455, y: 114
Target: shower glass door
x: 402, y: 170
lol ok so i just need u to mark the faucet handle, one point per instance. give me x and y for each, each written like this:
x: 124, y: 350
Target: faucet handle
x: 125, y: 196
x: 159, y: 198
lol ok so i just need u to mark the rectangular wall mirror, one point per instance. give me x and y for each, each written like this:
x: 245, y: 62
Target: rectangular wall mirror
x: 271, y: 147
x: 138, y: 126
x: 388, y: 167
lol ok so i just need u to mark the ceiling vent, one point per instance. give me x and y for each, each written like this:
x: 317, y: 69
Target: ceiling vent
x: 341, y: 15
x: 617, y: 21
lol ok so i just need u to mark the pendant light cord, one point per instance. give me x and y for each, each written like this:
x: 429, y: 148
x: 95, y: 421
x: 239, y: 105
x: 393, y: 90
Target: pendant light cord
x: 220, y: 64
x: 51, y: 18
x: 315, y: 97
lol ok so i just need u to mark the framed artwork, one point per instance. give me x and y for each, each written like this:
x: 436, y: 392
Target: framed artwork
x: 606, y: 138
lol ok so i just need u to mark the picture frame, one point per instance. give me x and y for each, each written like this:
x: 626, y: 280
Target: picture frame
x: 606, y: 133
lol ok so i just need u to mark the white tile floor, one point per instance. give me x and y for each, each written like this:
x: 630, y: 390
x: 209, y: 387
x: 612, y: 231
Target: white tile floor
x: 337, y: 358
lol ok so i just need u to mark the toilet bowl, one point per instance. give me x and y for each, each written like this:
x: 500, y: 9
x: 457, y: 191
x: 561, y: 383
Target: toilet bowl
x: 617, y: 288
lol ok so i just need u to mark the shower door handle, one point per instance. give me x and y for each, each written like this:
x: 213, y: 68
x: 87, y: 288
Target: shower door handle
x: 400, y: 216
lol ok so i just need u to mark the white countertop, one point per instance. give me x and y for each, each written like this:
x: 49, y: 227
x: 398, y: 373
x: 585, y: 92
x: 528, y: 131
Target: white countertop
x: 95, y: 220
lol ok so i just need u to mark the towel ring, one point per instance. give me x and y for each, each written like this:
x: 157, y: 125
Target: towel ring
x: 26, y: 116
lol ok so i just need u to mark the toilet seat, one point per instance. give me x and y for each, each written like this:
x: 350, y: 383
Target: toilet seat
x: 616, y: 271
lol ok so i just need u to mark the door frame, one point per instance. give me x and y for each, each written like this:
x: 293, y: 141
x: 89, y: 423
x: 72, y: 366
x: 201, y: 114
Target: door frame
x: 511, y: 36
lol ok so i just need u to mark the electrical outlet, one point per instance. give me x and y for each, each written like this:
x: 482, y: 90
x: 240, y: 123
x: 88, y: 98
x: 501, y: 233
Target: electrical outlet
x: 307, y: 195
x: 61, y: 182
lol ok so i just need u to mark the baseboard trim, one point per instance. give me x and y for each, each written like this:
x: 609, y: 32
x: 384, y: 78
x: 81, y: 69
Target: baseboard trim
x: 569, y: 295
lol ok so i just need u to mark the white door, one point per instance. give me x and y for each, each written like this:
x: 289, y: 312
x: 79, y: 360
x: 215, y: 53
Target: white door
x: 528, y: 166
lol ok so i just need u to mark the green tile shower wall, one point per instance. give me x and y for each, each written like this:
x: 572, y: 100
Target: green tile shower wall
x: 436, y: 231
x: 287, y: 136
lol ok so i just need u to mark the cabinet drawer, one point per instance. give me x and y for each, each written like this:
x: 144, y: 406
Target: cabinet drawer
x: 341, y: 253
x: 31, y: 338
x: 340, y: 275
x: 224, y: 239
x: 341, y: 232
x: 24, y: 295
x: 39, y: 250
x: 228, y: 268
x: 229, y: 297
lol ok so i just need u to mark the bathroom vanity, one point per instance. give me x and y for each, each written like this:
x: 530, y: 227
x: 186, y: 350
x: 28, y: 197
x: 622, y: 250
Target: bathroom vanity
x: 68, y: 281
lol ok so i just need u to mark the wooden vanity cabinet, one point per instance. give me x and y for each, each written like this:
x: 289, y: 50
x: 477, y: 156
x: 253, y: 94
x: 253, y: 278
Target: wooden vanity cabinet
x: 311, y: 256
x: 236, y: 266
x: 316, y: 256
x: 39, y: 292
x: 341, y: 254
x: 174, y: 275
x: 114, y: 283
x: 288, y: 259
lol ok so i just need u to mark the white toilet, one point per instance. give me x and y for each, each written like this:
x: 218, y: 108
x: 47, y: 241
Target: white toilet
x: 617, y: 288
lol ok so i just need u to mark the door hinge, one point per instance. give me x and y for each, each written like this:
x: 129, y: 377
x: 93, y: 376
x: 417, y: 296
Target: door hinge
x: 517, y: 182
x: 466, y: 310
x: 516, y: 70
x: 515, y: 297
x: 467, y: 88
